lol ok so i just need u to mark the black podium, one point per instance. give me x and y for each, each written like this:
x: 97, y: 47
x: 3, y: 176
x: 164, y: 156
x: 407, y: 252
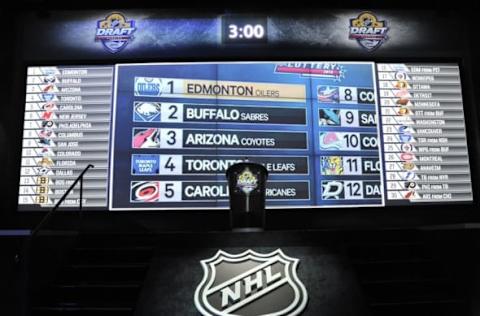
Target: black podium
x: 246, y: 184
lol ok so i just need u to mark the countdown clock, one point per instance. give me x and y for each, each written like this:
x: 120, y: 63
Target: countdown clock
x: 240, y: 29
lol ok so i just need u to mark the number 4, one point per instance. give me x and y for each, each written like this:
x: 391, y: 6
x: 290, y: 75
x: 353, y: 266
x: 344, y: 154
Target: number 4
x: 171, y: 164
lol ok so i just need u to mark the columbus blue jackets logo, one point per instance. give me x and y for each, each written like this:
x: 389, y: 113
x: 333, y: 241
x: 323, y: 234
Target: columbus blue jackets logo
x: 115, y: 32
x: 328, y: 94
x: 250, y: 283
x: 368, y: 31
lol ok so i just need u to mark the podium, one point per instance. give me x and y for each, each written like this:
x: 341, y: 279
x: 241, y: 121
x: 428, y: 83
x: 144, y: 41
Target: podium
x: 246, y: 184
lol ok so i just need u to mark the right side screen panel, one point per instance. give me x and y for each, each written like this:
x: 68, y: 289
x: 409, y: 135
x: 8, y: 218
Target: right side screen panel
x: 423, y: 131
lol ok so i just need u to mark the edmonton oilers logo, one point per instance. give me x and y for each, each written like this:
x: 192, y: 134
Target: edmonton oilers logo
x: 115, y: 32
x: 147, y: 87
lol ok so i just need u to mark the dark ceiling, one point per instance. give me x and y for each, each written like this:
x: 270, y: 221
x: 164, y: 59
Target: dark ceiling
x: 242, y: 5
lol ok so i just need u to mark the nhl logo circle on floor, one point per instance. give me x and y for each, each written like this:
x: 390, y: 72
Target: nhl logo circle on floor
x: 250, y: 284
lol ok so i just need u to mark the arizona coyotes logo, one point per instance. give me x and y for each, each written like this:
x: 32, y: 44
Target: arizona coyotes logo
x: 250, y: 284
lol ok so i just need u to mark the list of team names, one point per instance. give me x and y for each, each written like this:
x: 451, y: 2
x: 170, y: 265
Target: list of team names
x: 66, y: 127
x: 425, y: 146
x: 183, y: 139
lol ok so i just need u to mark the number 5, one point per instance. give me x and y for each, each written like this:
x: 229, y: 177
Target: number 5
x: 170, y: 191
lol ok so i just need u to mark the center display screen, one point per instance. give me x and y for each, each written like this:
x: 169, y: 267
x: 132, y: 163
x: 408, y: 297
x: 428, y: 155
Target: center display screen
x: 161, y: 136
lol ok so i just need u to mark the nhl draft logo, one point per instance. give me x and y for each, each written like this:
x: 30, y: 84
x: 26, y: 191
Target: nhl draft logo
x: 246, y: 181
x: 115, y: 32
x: 369, y: 32
x: 250, y: 284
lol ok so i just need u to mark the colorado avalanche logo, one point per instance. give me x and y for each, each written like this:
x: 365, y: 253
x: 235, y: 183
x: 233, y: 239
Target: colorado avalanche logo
x: 369, y: 32
x: 115, y: 32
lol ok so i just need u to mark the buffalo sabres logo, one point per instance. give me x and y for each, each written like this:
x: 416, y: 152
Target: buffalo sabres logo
x: 115, y: 32
x: 369, y: 32
x: 250, y: 284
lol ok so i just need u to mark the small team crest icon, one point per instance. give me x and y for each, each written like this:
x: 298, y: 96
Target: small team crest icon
x: 332, y: 190
x: 331, y: 141
x: 368, y: 30
x: 329, y: 117
x: 146, y: 112
x: 147, y: 87
x: 144, y: 191
x: 250, y: 283
x: 331, y: 165
x: 328, y: 94
x: 47, y: 97
x: 247, y: 181
x: 115, y: 32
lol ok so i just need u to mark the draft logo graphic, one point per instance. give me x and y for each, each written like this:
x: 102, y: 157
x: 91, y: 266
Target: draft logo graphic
x: 250, y: 283
x: 247, y: 181
x: 369, y: 32
x: 115, y: 32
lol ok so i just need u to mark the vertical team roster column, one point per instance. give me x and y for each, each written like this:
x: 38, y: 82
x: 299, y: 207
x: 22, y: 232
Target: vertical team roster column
x: 346, y: 131
x: 67, y: 127
x: 425, y: 145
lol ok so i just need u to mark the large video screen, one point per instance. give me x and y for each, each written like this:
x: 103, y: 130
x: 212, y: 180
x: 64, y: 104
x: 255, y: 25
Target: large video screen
x: 161, y: 136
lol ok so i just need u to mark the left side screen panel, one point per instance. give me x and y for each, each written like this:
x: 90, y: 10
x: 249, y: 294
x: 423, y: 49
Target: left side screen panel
x: 66, y: 127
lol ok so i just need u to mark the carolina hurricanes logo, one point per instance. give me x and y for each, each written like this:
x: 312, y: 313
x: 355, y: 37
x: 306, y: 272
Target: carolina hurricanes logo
x: 250, y: 284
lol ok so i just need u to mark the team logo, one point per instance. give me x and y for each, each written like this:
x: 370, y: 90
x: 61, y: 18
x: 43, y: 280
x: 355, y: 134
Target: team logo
x: 409, y: 175
x: 332, y: 190
x: 145, y: 191
x: 49, y: 79
x: 43, y: 171
x: 328, y: 94
x: 115, y: 32
x: 369, y: 32
x: 146, y: 112
x: 250, y: 283
x: 329, y: 117
x: 47, y: 97
x: 147, y: 87
x: 146, y: 138
x: 247, y: 181
x: 330, y: 140
x: 47, y: 152
x: 331, y: 165
x: 145, y: 164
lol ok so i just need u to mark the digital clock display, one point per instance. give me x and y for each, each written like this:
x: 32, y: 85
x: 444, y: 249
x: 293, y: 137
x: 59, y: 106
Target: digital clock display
x: 242, y: 29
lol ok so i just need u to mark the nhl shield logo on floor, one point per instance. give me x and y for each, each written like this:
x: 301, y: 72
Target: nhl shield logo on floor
x: 250, y: 284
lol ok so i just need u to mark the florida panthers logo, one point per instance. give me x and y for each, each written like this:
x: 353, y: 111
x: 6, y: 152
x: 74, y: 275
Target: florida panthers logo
x: 115, y: 32
x: 369, y: 32
x: 250, y: 284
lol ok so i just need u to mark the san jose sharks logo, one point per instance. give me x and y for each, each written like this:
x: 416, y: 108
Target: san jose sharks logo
x: 115, y: 32
x: 368, y: 30
x: 250, y: 284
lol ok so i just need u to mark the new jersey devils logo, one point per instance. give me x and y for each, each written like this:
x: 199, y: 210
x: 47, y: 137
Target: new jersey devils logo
x: 250, y: 284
